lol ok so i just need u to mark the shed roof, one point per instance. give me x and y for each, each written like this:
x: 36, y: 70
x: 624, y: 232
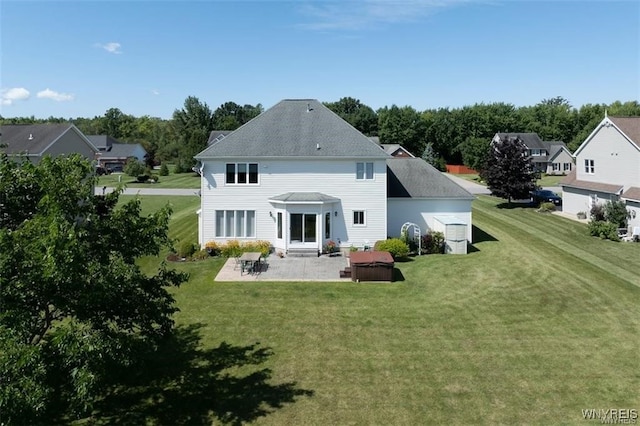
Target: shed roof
x: 415, y: 178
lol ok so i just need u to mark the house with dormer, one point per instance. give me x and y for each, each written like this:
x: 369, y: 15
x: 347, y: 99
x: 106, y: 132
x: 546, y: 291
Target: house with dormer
x: 298, y: 176
x: 552, y: 158
x: 607, y: 168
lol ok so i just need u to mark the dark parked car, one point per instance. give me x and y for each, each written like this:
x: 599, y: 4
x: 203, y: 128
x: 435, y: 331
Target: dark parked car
x: 102, y: 170
x: 546, y: 196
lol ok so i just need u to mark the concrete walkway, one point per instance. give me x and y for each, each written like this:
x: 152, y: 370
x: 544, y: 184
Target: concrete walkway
x: 321, y: 268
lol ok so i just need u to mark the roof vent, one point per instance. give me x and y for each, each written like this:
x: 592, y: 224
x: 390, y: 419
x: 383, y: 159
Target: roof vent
x: 317, y: 146
x: 30, y: 136
x: 309, y: 109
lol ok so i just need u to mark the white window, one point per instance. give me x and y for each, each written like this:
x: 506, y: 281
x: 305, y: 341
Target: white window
x: 535, y: 152
x: 567, y: 167
x: 556, y: 167
x: 359, y: 218
x: 589, y: 167
x: 235, y: 223
x: 242, y: 173
x: 364, y: 171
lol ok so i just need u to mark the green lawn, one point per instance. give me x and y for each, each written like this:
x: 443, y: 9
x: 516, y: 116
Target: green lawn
x: 181, y: 180
x: 536, y: 323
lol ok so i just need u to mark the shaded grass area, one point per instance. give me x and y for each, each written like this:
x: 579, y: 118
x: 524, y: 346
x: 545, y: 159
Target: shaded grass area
x: 536, y: 323
x: 545, y: 180
x: 181, y: 180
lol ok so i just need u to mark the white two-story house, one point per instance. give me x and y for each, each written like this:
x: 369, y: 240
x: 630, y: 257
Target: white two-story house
x: 607, y: 168
x: 298, y: 176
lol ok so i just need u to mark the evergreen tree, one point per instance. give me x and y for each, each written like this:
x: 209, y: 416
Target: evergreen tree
x: 508, y: 171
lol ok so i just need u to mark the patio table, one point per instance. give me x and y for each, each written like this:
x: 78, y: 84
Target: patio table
x: 250, y: 261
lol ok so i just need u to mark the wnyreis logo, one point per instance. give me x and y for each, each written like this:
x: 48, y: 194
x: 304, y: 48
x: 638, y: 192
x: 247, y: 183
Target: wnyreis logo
x: 612, y: 416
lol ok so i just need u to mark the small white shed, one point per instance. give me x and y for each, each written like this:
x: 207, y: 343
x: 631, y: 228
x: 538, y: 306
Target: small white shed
x: 455, y: 233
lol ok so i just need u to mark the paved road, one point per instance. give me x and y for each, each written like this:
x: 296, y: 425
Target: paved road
x: 470, y: 186
x: 152, y: 191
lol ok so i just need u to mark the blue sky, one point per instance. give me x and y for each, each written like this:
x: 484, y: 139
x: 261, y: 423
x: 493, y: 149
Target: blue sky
x: 80, y: 58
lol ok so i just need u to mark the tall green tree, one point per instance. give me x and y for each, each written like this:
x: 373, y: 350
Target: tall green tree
x: 508, y: 171
x: 192, y: 125
x: 74, y: 305
x: 354, y: 112
x: 230, y: 115
x: 474, y: 152
x: 404, y: 126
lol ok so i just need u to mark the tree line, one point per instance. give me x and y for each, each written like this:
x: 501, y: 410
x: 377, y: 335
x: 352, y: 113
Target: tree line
x: 453, y: 135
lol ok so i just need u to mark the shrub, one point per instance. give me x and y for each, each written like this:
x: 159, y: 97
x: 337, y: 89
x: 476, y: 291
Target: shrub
x: 186, y: 249
x: 597, y: 213
x: 134, y: 167
x: 616, y: 213
x: 231, y: 249
x: 212, y: 248
x: 264, y: 247
x: 433, y: 242
x: 164, y: 170
x: 200, y: 255
x: 183, y: 166
x: 395, y: 246
x: 546, y: 207
x: 604, y: 230
x: 155, y: 178
x: 142, y: 178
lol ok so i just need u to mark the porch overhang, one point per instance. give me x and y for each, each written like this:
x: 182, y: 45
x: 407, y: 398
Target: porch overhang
x: 314, y: 198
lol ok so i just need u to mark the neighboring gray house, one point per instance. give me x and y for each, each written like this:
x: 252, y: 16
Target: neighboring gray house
x: 114, y: 154
x: 298, y: 176
x: 552, y: 158
x: 217, y: 135
x: 34, y: 141
x: 393, y: 149
x: 608, y: 169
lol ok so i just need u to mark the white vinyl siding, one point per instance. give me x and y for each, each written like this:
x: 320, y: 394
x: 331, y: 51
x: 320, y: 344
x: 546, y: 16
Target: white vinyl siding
x: 333, y: 177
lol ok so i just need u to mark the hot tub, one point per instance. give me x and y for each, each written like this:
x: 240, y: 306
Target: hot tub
x: 371, y: 266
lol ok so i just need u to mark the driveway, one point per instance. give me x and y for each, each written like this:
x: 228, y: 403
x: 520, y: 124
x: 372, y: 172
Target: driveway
x: 151, y: 191
x: 470, y: 186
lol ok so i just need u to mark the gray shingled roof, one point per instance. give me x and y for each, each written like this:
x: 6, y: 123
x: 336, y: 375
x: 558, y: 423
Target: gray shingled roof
x: 122, y: 150
x: 415, y: 178
x: 305, y: 197
x: 32, y: 138
x: 217, y: 135
x: 531, y: 140
x: 295, y: 128
x: 102, y: 142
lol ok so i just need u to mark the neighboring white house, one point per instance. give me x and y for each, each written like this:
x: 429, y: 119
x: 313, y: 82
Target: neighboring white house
x: 298, y: 176
x: 607, y: 168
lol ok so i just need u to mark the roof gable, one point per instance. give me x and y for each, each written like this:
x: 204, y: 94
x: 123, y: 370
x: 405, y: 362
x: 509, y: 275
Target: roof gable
x: 295, y: 128
x: 35, y: 139
x: 629, y: 127
x: 415, y: 178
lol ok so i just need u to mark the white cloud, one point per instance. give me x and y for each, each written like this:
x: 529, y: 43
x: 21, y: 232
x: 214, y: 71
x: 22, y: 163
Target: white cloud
x: 155, y: 92
x: 358, y: 15
x: 111, y: 47
x: 54, y: 96
x: 9, y: 96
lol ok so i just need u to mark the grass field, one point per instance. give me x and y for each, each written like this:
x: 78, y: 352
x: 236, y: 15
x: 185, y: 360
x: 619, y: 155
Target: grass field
x: 538, y: 322
x: 182, y: 180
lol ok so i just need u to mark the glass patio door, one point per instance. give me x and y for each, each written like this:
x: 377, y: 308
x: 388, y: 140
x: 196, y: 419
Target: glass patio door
x: 303, y: 228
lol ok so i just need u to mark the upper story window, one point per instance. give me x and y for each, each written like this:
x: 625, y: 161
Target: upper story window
x: 589, y: 167
x: 359, y: 217
x: 242, y: 173
x: 364, y: 171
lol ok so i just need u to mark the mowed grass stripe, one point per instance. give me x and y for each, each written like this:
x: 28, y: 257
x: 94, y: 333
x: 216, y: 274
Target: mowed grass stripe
x: 544, y: 232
